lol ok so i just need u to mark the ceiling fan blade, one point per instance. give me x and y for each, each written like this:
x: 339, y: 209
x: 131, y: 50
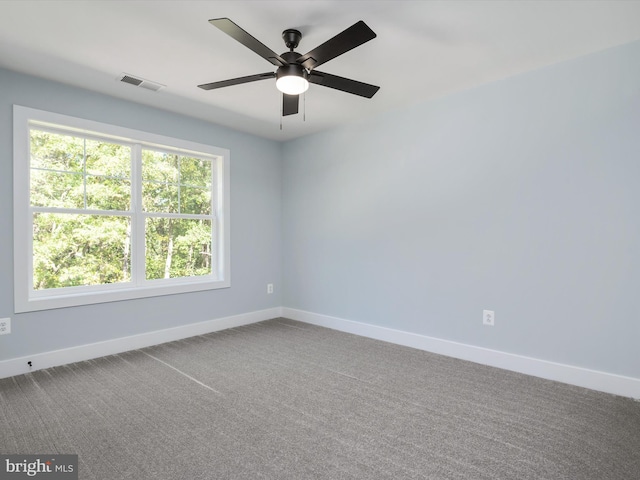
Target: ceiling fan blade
x: 237, y: 81
x: 237, y: 33
x: 289, y: 104
x: 352, y: 37
x: 344, y: 84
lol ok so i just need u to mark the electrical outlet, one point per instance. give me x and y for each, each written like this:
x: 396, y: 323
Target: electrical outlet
x: 269, y: 288
x: 5, y: 326
x: 488, y: 317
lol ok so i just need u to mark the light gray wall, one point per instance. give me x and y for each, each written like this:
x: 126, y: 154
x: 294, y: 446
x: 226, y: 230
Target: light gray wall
x: 521, y: 196
x: 255, y: 225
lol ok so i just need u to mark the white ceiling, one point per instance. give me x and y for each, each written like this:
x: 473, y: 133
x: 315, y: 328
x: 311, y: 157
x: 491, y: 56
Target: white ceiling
x: 424, y: 50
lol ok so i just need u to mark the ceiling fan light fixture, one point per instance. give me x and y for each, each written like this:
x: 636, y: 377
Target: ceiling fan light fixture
x: 292, y: 79
x: 292, y: 85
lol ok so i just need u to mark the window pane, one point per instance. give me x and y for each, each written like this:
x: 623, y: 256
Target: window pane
x: 56, y: 189
x: 195, y: 172
x: 177, y: 248
x: 175, y: 184
x: 73, y: 250
x: 59, y: 166
x: 109, y: 159
x: 195, y: 200
x: 56, y: 152
x: 159, y: 167
x: 104, y: 193
x: 159, y: 197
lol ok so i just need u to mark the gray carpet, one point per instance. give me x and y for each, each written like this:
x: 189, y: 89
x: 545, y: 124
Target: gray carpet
x: 285, y: 400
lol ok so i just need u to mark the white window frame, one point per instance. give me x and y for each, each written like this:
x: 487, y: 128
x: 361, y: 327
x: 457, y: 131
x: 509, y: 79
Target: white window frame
x: 26, y: 299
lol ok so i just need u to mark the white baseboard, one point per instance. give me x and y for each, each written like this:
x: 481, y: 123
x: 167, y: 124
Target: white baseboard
x: 17, y: 366
x: 582, y: 377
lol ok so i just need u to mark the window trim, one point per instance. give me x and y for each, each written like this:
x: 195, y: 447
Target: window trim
x: 25, y: 298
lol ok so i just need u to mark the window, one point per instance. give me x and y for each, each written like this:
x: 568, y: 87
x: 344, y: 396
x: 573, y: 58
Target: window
x: 104, y: 213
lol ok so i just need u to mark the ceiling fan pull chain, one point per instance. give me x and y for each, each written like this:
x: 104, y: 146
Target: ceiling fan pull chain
x: 281, y: 109
x: 304, y: 106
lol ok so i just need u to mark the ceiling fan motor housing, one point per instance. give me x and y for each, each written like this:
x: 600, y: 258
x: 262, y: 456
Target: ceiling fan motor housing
x: 293, y: 69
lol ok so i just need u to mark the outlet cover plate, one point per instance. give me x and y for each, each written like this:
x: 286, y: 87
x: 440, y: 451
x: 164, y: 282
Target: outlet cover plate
x: 5, y: 326
x: 488, y: 317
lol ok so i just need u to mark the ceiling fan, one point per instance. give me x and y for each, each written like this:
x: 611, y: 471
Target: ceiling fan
x: 295, y: 71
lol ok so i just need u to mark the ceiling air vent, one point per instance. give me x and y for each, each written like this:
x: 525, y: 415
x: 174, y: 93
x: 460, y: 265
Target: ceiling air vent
x: 140, y: 82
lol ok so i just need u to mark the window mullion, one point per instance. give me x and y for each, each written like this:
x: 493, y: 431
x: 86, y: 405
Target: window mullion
x: 217, y: 211
x: 137, y: 220
x: 84, y: 173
